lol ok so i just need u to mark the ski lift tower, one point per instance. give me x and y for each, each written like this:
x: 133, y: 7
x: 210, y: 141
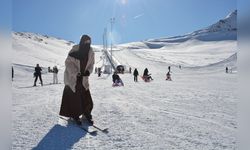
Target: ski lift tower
x: 112, y: 21
x: 104, y: 38
x: 106, y: 63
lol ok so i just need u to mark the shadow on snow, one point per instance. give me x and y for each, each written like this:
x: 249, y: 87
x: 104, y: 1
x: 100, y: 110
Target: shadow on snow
x: 60, y: 138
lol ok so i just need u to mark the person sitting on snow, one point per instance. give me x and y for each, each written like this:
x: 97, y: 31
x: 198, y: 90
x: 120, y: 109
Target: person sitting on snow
x: 169, y: 76
x: 117, y: 80
x: 146, y: 77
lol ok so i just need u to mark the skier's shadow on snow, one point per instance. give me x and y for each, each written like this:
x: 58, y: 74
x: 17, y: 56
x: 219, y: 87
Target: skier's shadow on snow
x: 60, y: 138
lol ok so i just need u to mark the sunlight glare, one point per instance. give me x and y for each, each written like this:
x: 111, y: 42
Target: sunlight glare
x: 124, y: 2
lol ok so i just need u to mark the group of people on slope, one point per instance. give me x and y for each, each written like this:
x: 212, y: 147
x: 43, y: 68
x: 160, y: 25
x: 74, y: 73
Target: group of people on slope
x: 147, y: 77
x: 38, y: 74
x: 117, y: 81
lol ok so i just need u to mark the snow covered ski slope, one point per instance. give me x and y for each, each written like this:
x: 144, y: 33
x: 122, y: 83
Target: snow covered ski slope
x: 197, y: 110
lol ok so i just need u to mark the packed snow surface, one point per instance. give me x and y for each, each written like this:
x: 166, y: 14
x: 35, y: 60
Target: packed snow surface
x: 197, y: 110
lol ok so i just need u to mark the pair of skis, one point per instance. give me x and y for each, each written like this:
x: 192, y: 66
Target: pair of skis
x: 87, y: 127
x: 92, y: 129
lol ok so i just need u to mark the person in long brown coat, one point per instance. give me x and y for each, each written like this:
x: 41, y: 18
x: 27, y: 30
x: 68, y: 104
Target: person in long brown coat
x: 76, y: 99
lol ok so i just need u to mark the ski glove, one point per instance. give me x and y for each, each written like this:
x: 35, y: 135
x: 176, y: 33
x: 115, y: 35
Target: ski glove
x: 86, y: 73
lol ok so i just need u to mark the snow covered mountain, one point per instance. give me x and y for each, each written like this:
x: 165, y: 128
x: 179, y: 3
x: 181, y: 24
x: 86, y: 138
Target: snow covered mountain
x: 204, y: 47
x: 32, y: 48
x: 229, y: 24
x: 224, y: 29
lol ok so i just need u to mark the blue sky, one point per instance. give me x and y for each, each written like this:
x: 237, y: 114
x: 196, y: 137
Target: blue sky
x: 5, y: 15
x: 135, y: 20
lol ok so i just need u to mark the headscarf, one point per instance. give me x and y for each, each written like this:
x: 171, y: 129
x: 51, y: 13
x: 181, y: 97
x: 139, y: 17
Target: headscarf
x: 84, y: 47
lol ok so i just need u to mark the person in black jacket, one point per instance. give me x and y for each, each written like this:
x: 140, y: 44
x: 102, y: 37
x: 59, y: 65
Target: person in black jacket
x: 99, y: 72
x: 135, y: 73
x: 37, y: 74
x: 226, y: 69
x: 12, y: 73
x: 169, y: 69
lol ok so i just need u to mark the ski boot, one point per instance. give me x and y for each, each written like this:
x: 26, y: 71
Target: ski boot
x: 77, y: 120
x: 88, y: 118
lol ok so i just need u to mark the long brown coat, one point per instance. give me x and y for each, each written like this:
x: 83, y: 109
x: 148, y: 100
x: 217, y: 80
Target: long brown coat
x: 76, y: 99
